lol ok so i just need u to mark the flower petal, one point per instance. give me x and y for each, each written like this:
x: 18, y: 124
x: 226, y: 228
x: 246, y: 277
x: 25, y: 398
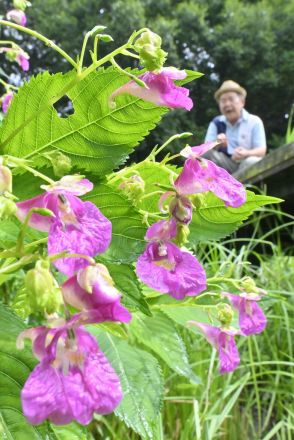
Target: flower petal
x: 162, y: 230
x: 178, y: 273
x: 37, y: 221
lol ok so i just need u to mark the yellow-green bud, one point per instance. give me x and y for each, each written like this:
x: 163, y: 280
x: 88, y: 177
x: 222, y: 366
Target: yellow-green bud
x: 5, y: 179
x: 7, y: 208
x: 183, y: 232
x: 43, y: 294
x: 21, y: 4
x: 147, y: 37
x: 225, y: 314
x: 60, y: 162
x: 248, y: 285
x: 148, y: 47
x: 133, y: 187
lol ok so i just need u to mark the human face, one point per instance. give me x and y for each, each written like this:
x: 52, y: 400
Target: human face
x: 231, y: 104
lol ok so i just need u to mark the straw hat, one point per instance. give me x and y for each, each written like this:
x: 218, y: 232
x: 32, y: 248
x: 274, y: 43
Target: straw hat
x: 230, y: 86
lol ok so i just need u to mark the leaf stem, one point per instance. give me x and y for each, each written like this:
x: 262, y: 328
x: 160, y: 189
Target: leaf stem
x: 41, y: 37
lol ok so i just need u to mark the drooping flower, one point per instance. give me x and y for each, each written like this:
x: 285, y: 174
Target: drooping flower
x: 165, y: 267
x: 18, y: 55
x: 252, y: 320
x: 73, y: 379
x: 222, y: 339
x: 180, y: 207
x: 93, y: 292
x: 6, y: 101
x: 77, y: 226
x: 201, y: 175
x: 17, y: 16
x: 161, y: 89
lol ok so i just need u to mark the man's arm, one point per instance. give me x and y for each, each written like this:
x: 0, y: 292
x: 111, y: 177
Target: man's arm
x: 258, y: 143
x: 211, y: 133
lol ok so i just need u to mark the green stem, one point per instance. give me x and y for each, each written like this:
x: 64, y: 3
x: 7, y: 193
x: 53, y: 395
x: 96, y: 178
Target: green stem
x: 41, y: 37
x: 151, y: 194
x: 224, y: 280
x: 65, y: 254
x: 19, y: 163
x: 27, y: 259
x: 171, y: 139
x: 81, y: 59
x: 13, y: 253
x: 130, y: 75
x: 22, y: 232
x: 5, y: 42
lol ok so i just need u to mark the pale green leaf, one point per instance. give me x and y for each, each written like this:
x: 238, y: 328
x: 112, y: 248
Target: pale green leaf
x: 160, y: 334
x: 96, y: 136
x: 213, y: 220
x: 141, y: 381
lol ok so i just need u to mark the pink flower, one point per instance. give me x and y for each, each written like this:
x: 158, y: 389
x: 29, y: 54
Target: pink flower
x: 73, y: 379
x: 17, y: 16
x: 18, y: 55
x: 167, y: 269
x: 93, y: 292
x: 6, y: 101
x: 252, y: 320
x: 180, y: 207
x: 201, y: 175
x: 222, y: 339
x: 161, y: 89
x: 23, y: 61
x: 77, y: 226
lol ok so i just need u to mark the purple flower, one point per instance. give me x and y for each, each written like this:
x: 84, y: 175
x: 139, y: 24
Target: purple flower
x: 93, y: 292
x: 17, y: 16
x: 73, y: 379
x: 167, y: 269
x: 6, y: 101
x: 222, y: 339
x: 252, y: 320
x: 201, y: 175
x: 180, y: 207
x: 77, y: 226
x: 161, y: 89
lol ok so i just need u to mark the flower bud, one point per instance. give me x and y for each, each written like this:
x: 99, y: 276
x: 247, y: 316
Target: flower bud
x: 60, y: 162
x: 225, y: 314
x: 21, y: 4
x: 148, y: 47
x: 6, y: 101
x: 133, y: 187
x: 43, y: 294
x: 181, y: 209
x: 7, y: 208
x: 183, y: 232
x: 5, y: 179
x: 248, y: 285
x: 18, y: 16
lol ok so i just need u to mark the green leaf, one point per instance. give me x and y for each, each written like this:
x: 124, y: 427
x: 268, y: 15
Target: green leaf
x: 96, y: 137
x: 127, y: 228
x: 181, y: 314
x: 127, y: 283
x: 160, y: 334
x: 73, y: 431
x: 213, y: 220
x: 9, y: 230
x: 191, y: 75
x: 15, y: 366
x: 141, y: 381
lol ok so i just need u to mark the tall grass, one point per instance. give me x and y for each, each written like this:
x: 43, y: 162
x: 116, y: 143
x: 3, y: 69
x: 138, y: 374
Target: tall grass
x: 256, y: 401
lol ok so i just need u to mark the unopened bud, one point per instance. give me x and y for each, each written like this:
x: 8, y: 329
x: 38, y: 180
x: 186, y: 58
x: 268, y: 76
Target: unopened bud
x: 133, y: 187
x: 60, y: 162
x: 43, y: 294
x: 248, y: 285
x: 225, y: 314
x: 7, y: 208
x: 180, y: 208
x: 148, y: 47
x: 21, y: 4
x: 5, y: 179
x: 183, y: 232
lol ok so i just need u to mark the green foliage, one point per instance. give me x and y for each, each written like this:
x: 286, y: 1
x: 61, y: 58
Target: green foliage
x: 161, y: 336
x: 141, y: 382
x: 213, y: 220
x: 96, y: 137
x: 127, y: 228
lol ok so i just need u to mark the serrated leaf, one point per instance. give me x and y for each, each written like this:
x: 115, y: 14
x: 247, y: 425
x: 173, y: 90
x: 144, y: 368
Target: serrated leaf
x: 127, y: 283
x: 191, y: 75
x: 127, y: 228
x: 213, y: 220
x: 96, y: 137
x: 182, y: 314
x: 15, y: 366
x: 141, y: 382
x: 160, y: 334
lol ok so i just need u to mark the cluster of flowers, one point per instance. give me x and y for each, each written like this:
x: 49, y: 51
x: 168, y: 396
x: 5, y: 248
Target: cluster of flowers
x: 15, y: 53
x: 73, y: 378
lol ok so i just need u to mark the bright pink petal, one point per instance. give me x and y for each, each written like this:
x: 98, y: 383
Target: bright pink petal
x: 203, y: 175
x: 252, y: 319
x: 199, y: 150
x: 6, y: 101
x: 37, y: 221
x: 167, y: 269
x: 162, y: 230
x: 17, y: 16
x: 89, y: 235
x: 23, y: 62
x: 228, y: 353
x: 173, y: 73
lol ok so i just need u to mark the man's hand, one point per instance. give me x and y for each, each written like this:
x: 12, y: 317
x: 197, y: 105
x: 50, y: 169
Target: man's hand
x: 222, y: 138
x: 240, y: 154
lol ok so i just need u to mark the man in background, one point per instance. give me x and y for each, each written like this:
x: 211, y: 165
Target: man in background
x: 241, y: 134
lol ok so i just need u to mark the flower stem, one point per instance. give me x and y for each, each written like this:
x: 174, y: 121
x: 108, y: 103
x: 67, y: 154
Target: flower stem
x: 171, y: 139
x: 41, y: 37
